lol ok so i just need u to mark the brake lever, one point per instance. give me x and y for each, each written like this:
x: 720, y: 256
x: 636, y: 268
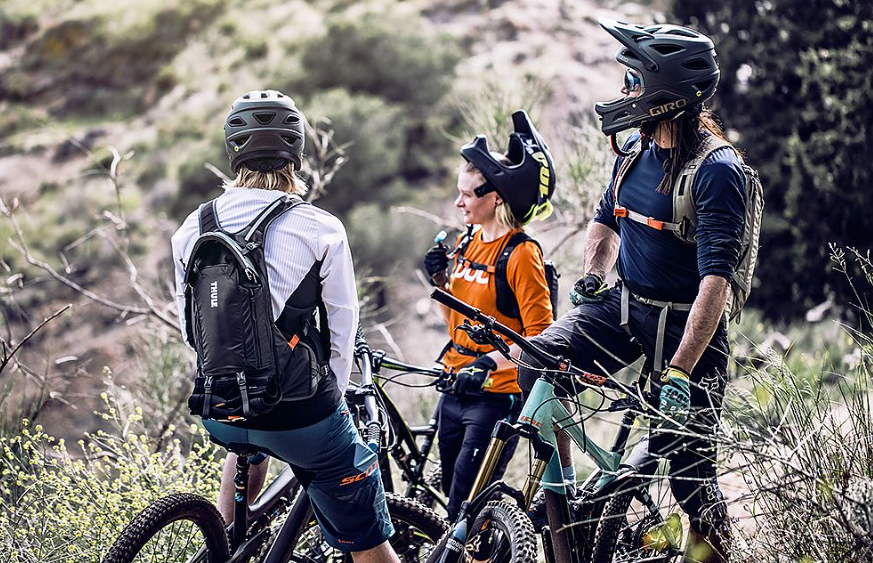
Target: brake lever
x: 483, y: 335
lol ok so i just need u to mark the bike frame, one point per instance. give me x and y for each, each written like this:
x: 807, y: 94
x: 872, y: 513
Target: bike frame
x: 543, y: 415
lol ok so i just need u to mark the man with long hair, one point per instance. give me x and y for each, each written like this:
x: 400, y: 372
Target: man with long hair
x: 674, y: 274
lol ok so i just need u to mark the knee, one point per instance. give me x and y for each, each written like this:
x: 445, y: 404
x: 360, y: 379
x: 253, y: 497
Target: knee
x: 527, y: 376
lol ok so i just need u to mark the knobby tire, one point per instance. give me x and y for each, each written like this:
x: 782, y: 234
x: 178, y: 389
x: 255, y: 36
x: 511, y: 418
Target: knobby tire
x: 163, y: 514
x: 517, y: 541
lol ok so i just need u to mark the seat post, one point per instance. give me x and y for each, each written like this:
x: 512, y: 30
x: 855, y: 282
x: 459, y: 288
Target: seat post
x: 240, y: 499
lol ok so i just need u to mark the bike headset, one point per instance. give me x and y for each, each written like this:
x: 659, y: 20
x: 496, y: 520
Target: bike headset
x: 264, y: 131
x: 678, y: 70
x: 527, y: 180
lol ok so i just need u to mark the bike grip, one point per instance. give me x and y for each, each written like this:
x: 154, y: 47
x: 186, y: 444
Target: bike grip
x: 374, y: 433
x: 359, y: 337
x: 454, y: 303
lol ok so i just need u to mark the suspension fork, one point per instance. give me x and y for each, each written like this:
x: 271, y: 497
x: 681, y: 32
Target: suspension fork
x: 501, y: 434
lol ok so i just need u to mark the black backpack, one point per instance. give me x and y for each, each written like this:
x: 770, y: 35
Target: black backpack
x: 246, y: 364
x: 507, y: 304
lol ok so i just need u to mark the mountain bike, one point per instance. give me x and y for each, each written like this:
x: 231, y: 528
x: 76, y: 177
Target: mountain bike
x: 616, y: 516
x: 186, y: 527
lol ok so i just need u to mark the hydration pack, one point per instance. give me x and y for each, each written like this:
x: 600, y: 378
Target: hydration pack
x: 246, y: 363
x: 507, y: 303
x: 684, y: 223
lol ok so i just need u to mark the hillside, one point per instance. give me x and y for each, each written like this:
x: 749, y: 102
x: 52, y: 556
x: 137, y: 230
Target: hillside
x: 154, y: 79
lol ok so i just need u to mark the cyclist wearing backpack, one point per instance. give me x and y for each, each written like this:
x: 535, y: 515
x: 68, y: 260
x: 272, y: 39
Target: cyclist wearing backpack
x: 681, y: 216
x: 267, y: 298
x: 501, y: 271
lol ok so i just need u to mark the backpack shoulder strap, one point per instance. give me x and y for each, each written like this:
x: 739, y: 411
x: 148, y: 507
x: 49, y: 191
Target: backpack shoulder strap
x: 208, y: 218
x: 506, y: 300
x: 684, y: 213
x: 626, y: 164
x: 255, y: 230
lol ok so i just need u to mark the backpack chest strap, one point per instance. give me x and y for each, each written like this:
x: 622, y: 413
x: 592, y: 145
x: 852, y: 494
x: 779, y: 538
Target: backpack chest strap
x: 476, y: 265
x: 625, y: 213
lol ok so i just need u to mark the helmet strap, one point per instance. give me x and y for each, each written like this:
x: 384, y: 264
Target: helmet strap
x: 485, y: 188
x: 616, y: 148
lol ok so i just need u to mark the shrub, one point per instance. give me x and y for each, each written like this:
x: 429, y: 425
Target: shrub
x: 805, y: 449
x: 101, y: 63
x: 393, y: 56
x: 59, y: 506
x: 374, y: 133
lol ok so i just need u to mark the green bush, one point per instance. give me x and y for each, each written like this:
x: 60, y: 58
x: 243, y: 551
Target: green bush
x: 396, y: 57
x: 374, y: 132
x: 97, y: 62
x: 56, y: 505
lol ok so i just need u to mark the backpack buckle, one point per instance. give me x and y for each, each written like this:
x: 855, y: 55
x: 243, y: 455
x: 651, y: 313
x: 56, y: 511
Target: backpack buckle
x: 655, y: 224
x: 620, y: 211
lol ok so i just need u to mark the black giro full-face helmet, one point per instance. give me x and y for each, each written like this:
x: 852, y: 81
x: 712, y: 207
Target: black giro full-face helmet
x: 527, y: 182
x: 677, y: 66
x: 264, y: 131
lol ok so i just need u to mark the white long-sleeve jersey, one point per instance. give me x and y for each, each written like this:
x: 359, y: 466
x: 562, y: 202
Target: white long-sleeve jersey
x: 295, y: 241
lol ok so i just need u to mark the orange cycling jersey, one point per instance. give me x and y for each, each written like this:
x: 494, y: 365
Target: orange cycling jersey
x: 527, y: 278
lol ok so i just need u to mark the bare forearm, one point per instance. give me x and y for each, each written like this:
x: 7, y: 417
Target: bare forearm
x: 601, y: 249
x: 702, y: 321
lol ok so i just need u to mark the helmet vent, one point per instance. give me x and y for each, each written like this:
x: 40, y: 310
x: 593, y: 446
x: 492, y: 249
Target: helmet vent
x: 265, y: 118
x: 289, y: 139
x: 291, y: 119
x: 622, y: 115
x: 240, y: 141
x: 705, y: 85
x: 667, y: 48
x: 661, y: 101
x: 696, y: 64
x: 247, y: 96
x: 682, y: 32
x: 237, y: 122
x: 629, y: 55
x: 264, y: 95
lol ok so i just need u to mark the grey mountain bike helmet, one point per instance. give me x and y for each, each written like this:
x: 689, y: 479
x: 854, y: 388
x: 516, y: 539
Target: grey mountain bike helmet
x: 677, y: 66
x: 264, y: 131
x: 528, y: 181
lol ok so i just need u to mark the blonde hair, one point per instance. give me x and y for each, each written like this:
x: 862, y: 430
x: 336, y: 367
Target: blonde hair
x: 504, y: 213
x: 284, y: 179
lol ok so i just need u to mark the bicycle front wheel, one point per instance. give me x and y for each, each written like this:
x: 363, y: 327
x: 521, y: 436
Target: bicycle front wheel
x: 501, y: 533
x: 417, y: 530
x: 177, y: 528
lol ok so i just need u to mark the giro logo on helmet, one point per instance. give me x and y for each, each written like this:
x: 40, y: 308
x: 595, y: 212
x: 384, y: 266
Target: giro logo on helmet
x: 660, y: 110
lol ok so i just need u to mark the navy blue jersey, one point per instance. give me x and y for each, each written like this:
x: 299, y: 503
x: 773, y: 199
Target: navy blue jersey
x: 656, y: 264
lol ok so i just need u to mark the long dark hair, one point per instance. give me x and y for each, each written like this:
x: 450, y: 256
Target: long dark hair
x: 692, y: 127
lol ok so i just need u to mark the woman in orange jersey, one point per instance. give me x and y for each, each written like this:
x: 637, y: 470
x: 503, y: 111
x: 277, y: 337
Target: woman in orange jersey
x: 499, y: 194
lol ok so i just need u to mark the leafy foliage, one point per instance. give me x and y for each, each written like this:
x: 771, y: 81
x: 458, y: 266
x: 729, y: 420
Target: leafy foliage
x: 796, y: 84
x: 56, y: 505
x: 100, y: 64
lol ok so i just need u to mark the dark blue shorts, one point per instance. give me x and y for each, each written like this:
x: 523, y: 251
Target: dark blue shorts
x: 340, y: 473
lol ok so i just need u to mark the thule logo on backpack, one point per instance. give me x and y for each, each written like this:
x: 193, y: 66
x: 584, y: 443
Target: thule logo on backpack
x: 213, y: 295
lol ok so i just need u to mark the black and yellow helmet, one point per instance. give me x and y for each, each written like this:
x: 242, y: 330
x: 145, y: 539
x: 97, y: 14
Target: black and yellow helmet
x: 264, y: 131
x: 527, y: 181
x: 677, y: 68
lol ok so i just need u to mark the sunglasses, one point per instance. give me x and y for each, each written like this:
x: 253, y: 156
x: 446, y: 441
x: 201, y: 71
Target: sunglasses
x: 632, y: 81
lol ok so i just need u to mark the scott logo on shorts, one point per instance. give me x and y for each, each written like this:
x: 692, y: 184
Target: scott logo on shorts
x: 360, y: 476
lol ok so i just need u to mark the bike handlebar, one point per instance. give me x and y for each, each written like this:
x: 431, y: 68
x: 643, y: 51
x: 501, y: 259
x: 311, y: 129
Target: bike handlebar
x: 492, y: 325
